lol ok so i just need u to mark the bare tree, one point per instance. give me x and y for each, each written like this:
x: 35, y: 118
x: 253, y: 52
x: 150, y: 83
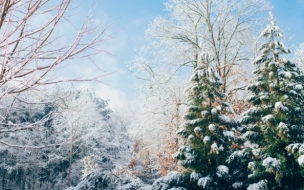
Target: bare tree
x: 32, y: 50
x: 299, y: 56
x: 78, y: 125
x: 222, y: 27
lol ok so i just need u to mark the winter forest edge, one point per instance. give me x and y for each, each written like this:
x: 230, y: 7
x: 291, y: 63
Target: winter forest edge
x: 221, y: 103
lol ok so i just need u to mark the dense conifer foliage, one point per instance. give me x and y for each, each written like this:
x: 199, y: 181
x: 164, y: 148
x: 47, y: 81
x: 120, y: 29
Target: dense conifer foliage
x: 275, y: 122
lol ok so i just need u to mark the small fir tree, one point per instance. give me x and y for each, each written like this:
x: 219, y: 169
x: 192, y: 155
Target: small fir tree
x: 275, y: 122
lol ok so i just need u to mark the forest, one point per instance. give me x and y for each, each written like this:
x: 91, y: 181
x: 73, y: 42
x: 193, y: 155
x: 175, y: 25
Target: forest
x: 220, y: 104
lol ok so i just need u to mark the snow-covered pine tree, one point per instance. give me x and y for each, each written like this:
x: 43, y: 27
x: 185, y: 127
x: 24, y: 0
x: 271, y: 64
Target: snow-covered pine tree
x: 206, y: 132
x: 275, y: 122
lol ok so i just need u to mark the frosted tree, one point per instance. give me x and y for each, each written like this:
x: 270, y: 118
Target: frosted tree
x: 275, y: 122
x: 77, y: 122
x: 24, y: 153
x: 299, y: 56
x: 71, y: 128
x: 33, y: 48
x: 225, y: 28
x: 86, y: 126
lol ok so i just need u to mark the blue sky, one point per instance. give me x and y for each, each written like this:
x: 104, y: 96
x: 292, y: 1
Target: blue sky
x: 290, y: 16
x: 129, y: 20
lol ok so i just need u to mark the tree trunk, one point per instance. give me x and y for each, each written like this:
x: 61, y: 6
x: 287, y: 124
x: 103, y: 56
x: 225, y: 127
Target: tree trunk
x: 71, y: 156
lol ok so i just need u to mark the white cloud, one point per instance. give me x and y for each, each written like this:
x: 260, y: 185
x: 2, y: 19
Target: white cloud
x: 118, y: 98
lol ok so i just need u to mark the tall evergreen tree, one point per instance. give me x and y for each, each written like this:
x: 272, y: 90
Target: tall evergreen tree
x: 275, y: 122
x: 206, y: 131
